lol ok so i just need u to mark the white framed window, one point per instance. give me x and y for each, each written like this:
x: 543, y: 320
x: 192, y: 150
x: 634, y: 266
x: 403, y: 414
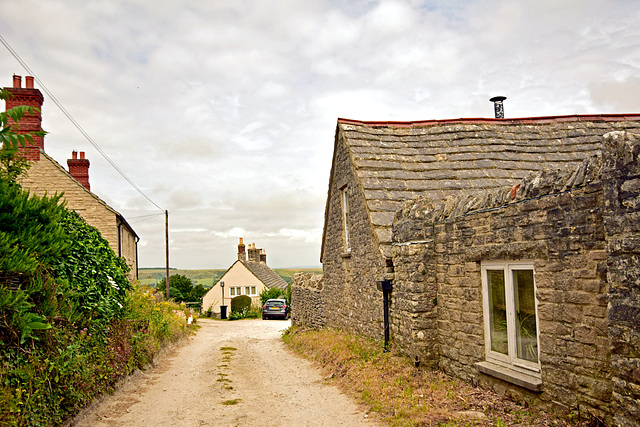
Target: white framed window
x: 345, y: 218
x: 253, y: 290
x: 510, y: 311
x: 247, y: 290
x: 232, y: 291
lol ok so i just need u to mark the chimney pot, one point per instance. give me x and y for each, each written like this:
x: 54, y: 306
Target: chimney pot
x: 498, y: 106
x: 30, y: 97
x: 28, y: 82
x: 79, y: 168
x: 242, y: 255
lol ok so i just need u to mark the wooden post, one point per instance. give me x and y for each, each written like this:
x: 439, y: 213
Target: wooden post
x: 166, y: 240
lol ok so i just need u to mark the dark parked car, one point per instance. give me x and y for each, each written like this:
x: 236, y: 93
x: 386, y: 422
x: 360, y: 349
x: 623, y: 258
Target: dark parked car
x: 275, y: 308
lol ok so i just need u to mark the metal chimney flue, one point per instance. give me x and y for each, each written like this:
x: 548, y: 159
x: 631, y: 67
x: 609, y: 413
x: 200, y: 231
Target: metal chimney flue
x: 498, y: 106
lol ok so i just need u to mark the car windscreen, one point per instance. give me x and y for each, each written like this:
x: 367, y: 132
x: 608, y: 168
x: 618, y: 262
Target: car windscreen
x: 275, y: 303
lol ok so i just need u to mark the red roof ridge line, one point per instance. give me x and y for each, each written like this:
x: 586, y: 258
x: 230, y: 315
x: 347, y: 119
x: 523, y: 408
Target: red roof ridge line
x: 521, y: 120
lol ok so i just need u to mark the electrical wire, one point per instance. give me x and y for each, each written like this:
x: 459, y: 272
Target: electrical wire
x: 74, y: 122
x: 143, y: 218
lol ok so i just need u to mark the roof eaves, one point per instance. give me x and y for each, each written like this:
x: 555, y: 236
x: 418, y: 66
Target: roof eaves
x: 520, y: 120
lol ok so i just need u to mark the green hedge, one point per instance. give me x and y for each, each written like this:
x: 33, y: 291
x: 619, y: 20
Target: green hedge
x: 71, y: 324
x: 240, y: 303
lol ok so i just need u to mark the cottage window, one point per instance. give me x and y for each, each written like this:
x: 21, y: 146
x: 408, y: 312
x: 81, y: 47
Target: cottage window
x: 253, y: 290
x: 345, y: 219
x: 232, y: 291
x: 247, y: 290
x: 510, y: 315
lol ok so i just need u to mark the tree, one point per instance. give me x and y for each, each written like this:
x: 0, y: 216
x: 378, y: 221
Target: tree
x: 181, y: 289
x: 12, y: 163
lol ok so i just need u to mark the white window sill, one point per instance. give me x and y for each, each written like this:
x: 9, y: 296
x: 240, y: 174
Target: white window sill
x: 530, y: 382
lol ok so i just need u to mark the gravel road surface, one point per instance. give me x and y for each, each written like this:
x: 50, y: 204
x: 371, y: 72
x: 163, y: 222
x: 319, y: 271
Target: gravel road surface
x: 231, y: 373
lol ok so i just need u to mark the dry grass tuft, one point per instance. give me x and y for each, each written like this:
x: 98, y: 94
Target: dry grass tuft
x: 403, y: 395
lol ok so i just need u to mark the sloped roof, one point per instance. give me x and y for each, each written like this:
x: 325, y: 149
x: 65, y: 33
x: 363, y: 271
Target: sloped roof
x: 265, y: 274
x: 399, y: 161
x: 42, y: 186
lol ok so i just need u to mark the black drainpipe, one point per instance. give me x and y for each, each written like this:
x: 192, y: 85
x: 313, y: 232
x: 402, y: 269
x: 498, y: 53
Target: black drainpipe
x: 386, y: 286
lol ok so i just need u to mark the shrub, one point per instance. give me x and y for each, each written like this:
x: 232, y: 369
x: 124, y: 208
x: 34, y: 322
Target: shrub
x: 240, y: 303
x: 71, y: 324
x: 47, y: 384
x: 270, y: 293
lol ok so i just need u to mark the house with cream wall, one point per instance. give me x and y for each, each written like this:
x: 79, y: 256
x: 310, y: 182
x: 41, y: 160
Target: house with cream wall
x: 245, y: 277
x: 47, y: 176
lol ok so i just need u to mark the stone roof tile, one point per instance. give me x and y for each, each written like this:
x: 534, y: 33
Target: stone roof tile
x: 265, y: 274
x: 399, y: 161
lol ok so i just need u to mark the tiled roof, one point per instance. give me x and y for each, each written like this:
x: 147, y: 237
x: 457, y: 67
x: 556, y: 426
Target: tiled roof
x: 265, y: 274
x: 399, y: 161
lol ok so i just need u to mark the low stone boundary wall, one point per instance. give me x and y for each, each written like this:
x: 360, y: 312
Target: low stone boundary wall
x: 307, y: 300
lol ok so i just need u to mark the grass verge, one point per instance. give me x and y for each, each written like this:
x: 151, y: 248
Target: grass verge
x: 403, y: 395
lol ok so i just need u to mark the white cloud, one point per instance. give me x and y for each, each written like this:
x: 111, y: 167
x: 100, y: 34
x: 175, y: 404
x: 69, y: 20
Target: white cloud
x: 224, y: 113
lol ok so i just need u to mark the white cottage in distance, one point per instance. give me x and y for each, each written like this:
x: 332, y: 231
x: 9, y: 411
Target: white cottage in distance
x: 249, y: 275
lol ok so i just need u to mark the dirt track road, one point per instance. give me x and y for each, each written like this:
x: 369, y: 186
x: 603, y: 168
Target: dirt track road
x: 229, y: 374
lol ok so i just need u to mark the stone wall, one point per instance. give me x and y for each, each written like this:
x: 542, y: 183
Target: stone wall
x: 414, y: 298
x: 351, y: 297
x: 621, y: 176
x: 307, y: 300
x: 580, y: 228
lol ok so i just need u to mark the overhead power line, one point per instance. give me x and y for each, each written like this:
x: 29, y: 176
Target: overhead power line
x: 75, y: 123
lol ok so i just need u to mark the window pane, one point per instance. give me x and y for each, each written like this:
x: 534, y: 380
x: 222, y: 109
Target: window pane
x: 525, y: 306
x: 497, y: 311
x: 345, y: 218
x: 253, y: 290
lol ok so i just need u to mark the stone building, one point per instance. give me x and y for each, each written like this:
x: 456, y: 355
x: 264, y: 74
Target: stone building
x: 494, y: 235
x: 46, y: 176
x: 248, y: 275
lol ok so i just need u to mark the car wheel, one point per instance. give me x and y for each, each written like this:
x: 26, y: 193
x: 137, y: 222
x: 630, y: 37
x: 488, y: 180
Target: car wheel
x: 264, y: 317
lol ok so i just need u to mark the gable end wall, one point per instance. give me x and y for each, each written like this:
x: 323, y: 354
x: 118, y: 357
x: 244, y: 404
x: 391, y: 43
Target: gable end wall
x: 47, y: 177
x: 352, y: 301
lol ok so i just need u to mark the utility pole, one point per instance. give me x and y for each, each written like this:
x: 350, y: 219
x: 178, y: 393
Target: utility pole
x: 166, y: 240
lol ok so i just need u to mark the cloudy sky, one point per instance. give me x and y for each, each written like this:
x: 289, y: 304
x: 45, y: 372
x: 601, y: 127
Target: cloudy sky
x: 224, y: 112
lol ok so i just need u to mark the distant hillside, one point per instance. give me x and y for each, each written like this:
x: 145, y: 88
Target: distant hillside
x: 287, y: 273
x: 206, y: 278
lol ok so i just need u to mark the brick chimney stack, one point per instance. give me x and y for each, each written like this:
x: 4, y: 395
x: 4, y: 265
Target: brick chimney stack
x: 254, y: 254
x: 31, y: 97
x: 263, y: 257
x: 242, y: 256
x: 79, y: 168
